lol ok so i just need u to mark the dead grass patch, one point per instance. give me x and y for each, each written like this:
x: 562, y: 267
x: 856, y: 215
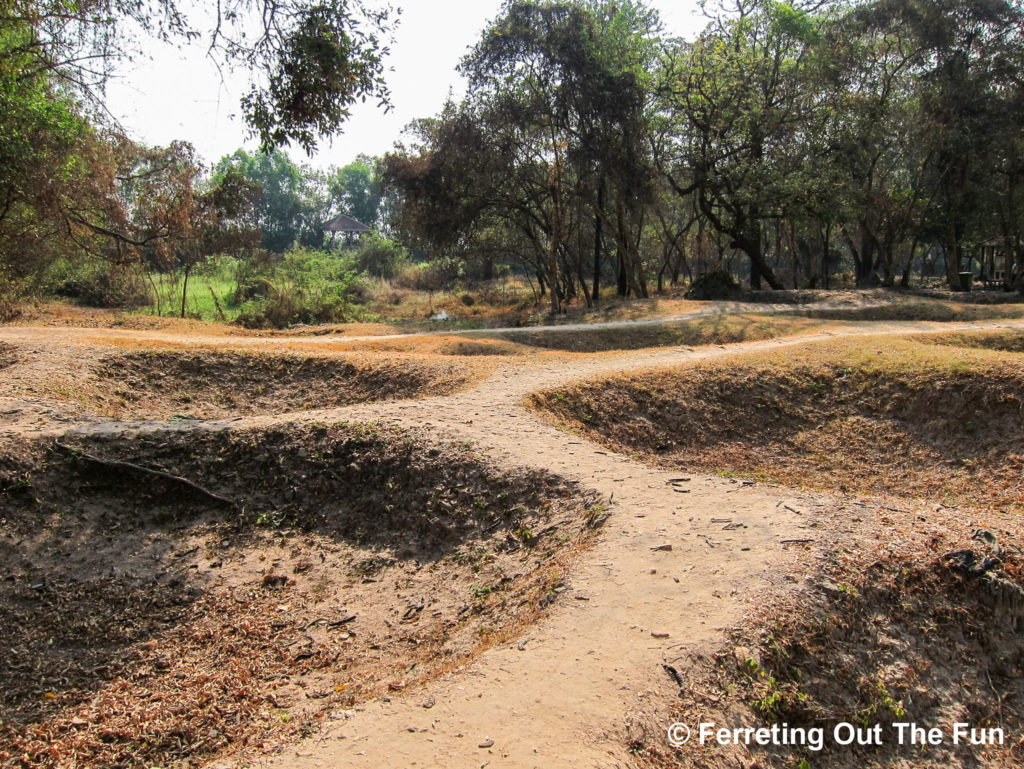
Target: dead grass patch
x: 919, y: 310
x: 440, y: 344
x: 867, y: 415
x: 711, y: 329
x: 1006, y: 341
x: 145, y: 623
x: 8, y: 355
x: 159, y: 384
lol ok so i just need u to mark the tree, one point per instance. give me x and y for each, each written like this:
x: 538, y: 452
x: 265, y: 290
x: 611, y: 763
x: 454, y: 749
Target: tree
x: 866, y: 170
x: 293, y: 201
x: 740, y: 100
x: 553, y: 134
x: 62, y: 181
x: 309, y: 61
x: 354, y: 189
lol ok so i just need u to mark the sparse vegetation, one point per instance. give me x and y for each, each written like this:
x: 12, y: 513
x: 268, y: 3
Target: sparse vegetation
x: 179, y: 650
x: 869, y: 415
x: 889, y: 630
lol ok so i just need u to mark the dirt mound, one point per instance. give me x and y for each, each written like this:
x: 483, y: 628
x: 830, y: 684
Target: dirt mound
x: 424, y: 344
x: 176, y: 597
x: 1006, y: 341
x: 478, y: 347
x: 899, y: 631
x: 713, y: 329
x: 160, y: 384
x: 918, y: 309
x: 896, y: 418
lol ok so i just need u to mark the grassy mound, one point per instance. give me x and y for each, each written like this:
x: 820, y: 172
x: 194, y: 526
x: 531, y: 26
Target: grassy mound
x: 160, y: 384
x: 861, y: 415
x: 1007, y: 341
x: 918, y: 309
x: 223, y: 590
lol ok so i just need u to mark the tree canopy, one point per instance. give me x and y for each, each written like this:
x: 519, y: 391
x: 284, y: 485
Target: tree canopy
x: 788, y: 142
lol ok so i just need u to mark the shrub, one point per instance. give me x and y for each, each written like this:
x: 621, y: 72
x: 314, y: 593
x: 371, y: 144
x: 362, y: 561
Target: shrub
x: 717, y: 284
x: 309, y: 286
x: 379, y: 256
x: 429, y: 276
x: 99, y: 285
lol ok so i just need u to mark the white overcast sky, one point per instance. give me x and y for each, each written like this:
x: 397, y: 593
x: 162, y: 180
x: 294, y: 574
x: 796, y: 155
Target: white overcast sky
x: 175, y: 92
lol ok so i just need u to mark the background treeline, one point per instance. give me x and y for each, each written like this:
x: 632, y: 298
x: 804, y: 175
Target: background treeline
x: 88, y: 213
x: 790, y: 145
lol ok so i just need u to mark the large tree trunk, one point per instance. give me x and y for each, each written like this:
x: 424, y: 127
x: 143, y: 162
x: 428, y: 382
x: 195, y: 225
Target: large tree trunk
x: 864, y: 259
x: 750, y: 244
x: 953, y: 258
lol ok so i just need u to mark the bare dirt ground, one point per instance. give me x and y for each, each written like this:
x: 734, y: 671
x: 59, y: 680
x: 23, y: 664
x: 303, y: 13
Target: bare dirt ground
x: 682, y: 561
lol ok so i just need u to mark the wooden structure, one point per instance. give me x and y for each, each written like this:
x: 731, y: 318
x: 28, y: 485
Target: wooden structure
x: 345, y: 224
x: 996, y: 256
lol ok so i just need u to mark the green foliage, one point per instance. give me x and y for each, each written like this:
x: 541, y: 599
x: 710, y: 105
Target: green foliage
x: 325, y: 60
x: 355, y: 189
x: 40, y: 131
x: 98, y: 284
x: 291, y: 205
x: 379, y: 256
x: 71, y: 188
x: 308, y: 286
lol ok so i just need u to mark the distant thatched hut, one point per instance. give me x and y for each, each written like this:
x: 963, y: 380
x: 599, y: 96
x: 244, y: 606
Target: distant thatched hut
x: 346, y: 225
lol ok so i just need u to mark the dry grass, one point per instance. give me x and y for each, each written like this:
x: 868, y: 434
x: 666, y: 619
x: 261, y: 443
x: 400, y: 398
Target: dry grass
x: 936, y: 310
x: 446, y: 345
x: 57, y: 313
x: 8, y: 355
x: 143, y: 624
x: 157, y: 385
x: 1007, y: 341
x: 866, y: 415
x: 710, y: 329
x: 158, y: 379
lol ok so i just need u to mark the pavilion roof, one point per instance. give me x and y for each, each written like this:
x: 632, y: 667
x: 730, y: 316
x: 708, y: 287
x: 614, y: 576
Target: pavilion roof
x: 345, y: 223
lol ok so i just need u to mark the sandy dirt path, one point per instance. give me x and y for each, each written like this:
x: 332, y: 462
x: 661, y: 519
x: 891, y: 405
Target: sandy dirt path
x: 564, y: 694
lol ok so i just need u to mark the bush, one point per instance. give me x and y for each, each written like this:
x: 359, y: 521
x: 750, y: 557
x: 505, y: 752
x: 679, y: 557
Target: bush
x: 378, y: 256
x: 100, y: 285
x: 13, y: 295
x: 308, y: 286
x: 429, y: 276
x: 717, y: 284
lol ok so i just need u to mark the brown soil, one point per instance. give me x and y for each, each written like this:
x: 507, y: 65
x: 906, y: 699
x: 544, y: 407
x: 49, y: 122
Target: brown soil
x: 919, y: 309
x: 713, y: 329
x: 884, y: 420
x: 142, y: 622
x: 887, y: 628
x: 245, y: 644
x: 206, y: 385
x: 65, y: 382
x: 446, y: 345
x: 8, y: 355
